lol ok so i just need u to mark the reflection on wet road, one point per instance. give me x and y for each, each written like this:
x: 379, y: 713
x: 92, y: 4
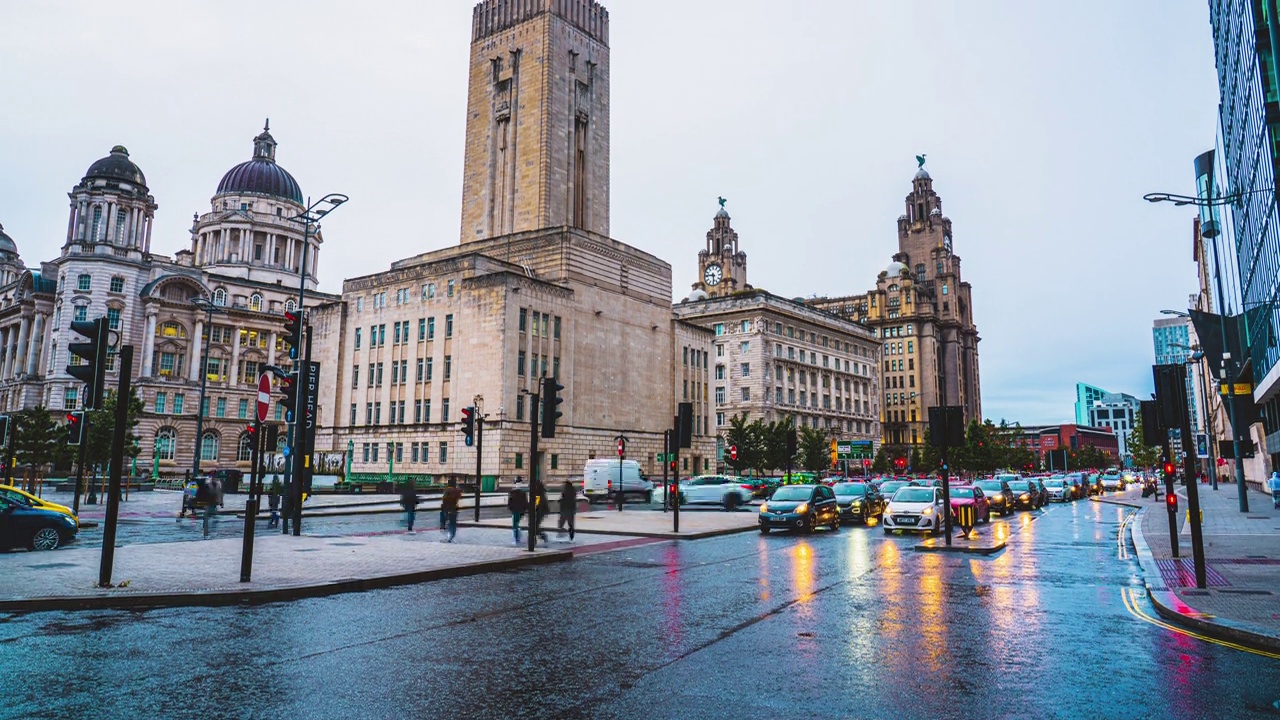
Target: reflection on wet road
x: 837, y: 624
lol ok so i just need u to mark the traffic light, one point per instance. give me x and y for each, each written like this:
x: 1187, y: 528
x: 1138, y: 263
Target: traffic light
x: 550, y: 401
x: 1170, y: 470
x: 289, y: 389
x: 622, y: 448
x: 251, y: 431
x: 293, y: 332
x: 733, y: 453
x: 93, y: 370
x: 684, y: 424
x: 75, y: 427
x: 469, y: 425
x: 900, y: 463
x: 273, y: 437
x: 1171, y: 502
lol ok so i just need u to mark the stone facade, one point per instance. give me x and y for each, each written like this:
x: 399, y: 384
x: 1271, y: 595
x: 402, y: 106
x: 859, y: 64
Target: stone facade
x: 922, y: 312
x: 537, y: 147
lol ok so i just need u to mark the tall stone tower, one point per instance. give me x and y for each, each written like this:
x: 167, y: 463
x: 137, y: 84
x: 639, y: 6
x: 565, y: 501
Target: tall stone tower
x: 537, y: 147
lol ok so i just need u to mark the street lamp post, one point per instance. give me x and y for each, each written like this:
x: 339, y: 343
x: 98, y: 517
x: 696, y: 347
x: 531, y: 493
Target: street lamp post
x: 209, y: 308
x: 311, y: 216
x: 1196, y: 356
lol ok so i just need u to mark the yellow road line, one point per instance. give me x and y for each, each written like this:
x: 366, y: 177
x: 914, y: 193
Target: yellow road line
x: 1122, y: 551
x: 1130, y: 598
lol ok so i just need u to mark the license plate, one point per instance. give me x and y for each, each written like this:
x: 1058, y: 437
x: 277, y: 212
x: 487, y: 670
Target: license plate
x: 907, y: 520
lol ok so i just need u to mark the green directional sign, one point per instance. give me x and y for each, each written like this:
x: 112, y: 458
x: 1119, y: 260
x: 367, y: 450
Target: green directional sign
x: 854, y: 449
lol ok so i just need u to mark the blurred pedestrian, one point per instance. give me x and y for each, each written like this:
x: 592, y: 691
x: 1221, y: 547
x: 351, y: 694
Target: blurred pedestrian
x: 409, y: 501
x: 286, y: 507
x: 1274, y: 485
x: 518, y: 505
x: 540, y: 511
x: 449, y: 509
x: 273, y: 502
x: 568, y: 508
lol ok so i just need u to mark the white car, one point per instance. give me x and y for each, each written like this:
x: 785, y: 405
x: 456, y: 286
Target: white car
x: 1058, y: 488
x: 727, y: 491
x: 1112, y: 480
x: 914, y: 508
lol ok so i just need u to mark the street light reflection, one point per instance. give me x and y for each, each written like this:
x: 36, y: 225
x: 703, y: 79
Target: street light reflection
x: 931, y: 627
x: 802, y: 574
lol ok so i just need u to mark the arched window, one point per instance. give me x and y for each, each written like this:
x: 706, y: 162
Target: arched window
x: 219, y: 297
x: 173, y: 330
x: 166, y: 441
x: 255, y: 302
x: 289, y: 305
x: 244, y: 453
x: 209, y: 446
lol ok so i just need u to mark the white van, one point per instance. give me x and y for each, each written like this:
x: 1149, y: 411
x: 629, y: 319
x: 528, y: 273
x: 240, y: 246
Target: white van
x: 600, y: 479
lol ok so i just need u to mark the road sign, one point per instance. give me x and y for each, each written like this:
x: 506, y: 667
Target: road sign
x: 1241, y: 389
x: 664, y: 457
x: 853, y: 449
x: 264, y: 396
x: 1202, y: 446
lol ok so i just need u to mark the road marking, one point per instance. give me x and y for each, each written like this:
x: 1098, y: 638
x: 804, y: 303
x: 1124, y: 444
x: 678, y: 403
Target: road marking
x: 1122, y: 550
x: 1130, y: 598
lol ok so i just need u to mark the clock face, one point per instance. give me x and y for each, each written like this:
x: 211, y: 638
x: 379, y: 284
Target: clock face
x: 713, y: 274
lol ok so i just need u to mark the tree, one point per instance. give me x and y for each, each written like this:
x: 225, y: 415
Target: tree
x: 882, y: 463
x: 102, y: 424
x: 814, y: 449
x: 774, y: 443
x: 1144, y: 456
x: 930, y: 456
x: 36, y: 437
x: 745, y: 436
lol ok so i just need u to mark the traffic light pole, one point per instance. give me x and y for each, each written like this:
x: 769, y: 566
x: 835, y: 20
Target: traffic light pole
x: 534, y: 482
x: 84, y: 436
x: 1169, y: 493
x: 479, y: 450
x: 622, y: 444
x: 251, y: 505
x: 675, y: 482
x: 1193, y: 496
x: 301, y: 433
x: 666, y: 460
x: 123, y: 396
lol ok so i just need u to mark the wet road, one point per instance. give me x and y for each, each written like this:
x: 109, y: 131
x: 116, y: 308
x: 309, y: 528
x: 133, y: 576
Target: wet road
x: 836, y: 625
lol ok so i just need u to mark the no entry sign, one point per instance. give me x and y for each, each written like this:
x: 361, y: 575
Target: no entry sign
x: 264, y: 396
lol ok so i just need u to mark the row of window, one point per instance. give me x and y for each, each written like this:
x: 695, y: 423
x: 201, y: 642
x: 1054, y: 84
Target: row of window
x: 397, y: 412
x: 400, y: 372
x: 401, y: 333
x: 166, y: 444
x: 420, y: 452
x: 859, y: 426
x: 378, y: 300
x: 542, y: 324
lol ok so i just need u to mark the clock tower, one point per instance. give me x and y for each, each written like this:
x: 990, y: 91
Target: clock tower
x: 722, y: 267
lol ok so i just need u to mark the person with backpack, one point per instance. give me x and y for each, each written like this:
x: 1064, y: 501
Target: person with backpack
x: 568, y: 508
x: 518, y: 505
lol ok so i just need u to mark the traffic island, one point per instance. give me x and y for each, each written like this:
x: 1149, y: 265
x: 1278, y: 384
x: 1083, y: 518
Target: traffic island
x: 974, y: 543
x: 206, y: 573
x: 647, y: 523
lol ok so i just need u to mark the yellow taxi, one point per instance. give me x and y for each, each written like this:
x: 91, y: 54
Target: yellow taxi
x: 26, y: 498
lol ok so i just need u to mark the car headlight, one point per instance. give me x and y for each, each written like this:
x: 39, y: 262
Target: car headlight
x: 764, y: 507
x: 927, y: 511
x: 802, y: 508
x: 856, y: 504
x: 1024, y: 496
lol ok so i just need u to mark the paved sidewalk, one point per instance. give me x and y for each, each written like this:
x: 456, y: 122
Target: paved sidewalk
x: 650, y: 523
x: 284, y: 568
x: 1241, y: 602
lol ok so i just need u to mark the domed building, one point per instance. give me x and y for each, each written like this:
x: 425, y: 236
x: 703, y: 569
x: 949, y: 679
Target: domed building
x: 218, y: 303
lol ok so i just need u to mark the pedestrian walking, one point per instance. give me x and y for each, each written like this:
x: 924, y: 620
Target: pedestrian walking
x: 540, y: 511
x: 273, y: 502
x: 409, y: 501
x: 518, y: 505
x: 1274, y: 485
x: 286, y: 507
x: 206, y: 501
x: 568, y: 508
x: 449, y: 509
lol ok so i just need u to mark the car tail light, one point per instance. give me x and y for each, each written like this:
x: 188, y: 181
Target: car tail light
x: 746, y: 487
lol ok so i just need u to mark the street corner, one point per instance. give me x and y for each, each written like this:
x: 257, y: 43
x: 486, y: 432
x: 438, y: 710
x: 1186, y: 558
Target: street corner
x: 1172, y: 605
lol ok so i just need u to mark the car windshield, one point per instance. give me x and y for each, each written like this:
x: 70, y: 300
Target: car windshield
x: 792, y: 492
x: 1007, y: 478
x: 889, y: 487
x: 992, y: 485
x: 1017, y: 486
x: 1053, y: 483
x: 850, y: 489
x: 962, y: 492
x: 914, y: 495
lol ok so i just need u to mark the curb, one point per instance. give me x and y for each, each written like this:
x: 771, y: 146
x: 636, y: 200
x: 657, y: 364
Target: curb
x: 1167, y: 603
x: 636, y: 533
x: 216, y: 598
x: 968, y: 549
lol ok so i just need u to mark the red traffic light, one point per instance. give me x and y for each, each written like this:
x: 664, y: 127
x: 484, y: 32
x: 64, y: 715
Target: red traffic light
x: 733, y: 453
x: 1170, y: 469
x: 1171, y: 500
x: 866, y: 463
x: 250, y: 429
x: 900, y: 463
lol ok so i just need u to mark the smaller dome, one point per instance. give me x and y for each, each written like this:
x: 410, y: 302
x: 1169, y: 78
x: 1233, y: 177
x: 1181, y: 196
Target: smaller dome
x: 895, y: 269
x: 936, y: 211
x: 923, y: 174
x: 722, y: 213
x: 7, y: 245
x: 696, y: 295
x: 117, y: 166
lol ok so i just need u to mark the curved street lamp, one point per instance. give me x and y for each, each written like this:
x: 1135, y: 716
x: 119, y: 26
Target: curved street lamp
x: 1180, y: 200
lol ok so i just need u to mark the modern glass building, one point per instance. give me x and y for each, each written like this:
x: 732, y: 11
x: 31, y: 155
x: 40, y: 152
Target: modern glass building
x: 1172, y: 338
x: 1086, y: 396
x: 1246, y: 39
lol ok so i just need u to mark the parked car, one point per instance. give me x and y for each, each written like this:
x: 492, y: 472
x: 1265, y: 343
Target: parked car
x: 800, y: 507
x: 999, y: 495
x: 601, y: 477
x: 34, y: 528
x: 1112, y: 480
x: 25, y: 498
x: 1025, y: 497
x: 724, y: 490
x: 1079, y: 490
x: 915, y: 509
x: 971, y: 495
x: 1059, y: 489
x: 858, y: 501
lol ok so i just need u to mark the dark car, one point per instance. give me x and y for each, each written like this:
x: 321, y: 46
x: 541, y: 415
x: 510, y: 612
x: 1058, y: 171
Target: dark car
x: 800, y: 507
x: 998, y: 494
x: 889, y: 487
x: 1041, y: 489
x: 33, y: 528
x: 858, y: 501
x: 1025, y: 495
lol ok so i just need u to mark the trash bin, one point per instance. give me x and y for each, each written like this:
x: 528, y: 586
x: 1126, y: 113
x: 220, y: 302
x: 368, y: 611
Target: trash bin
x: 488, y: 483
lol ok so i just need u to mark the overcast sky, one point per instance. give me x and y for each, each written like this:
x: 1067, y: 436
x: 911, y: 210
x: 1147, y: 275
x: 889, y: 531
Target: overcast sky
x: 1044, y: 124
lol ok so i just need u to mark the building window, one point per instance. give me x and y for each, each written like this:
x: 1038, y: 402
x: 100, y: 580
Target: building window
x: 357, y: 338
x: 520, y: 363
x: 166, y: 440
x: 448, y: 326
x: 448, y: 366
x: 444, y: 410
x: 719, y: 329
x: 84, y: 282
x: 720, y: 395
x: 220, y: 297
x: 117, y: 284
x: 519, y: 407
x: 244, y: 452
x: 519, y: 461
x: 222, y: 407
x: 556, y: 331
x: 524, y: 319
x: 243, y: 409
x: 80, y: 314
x: 255, y: 302
x: 450, y: 294
x: 161, y: 399
x: 746, y: 370
x: 444, y: 453
x: 209, y: 447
